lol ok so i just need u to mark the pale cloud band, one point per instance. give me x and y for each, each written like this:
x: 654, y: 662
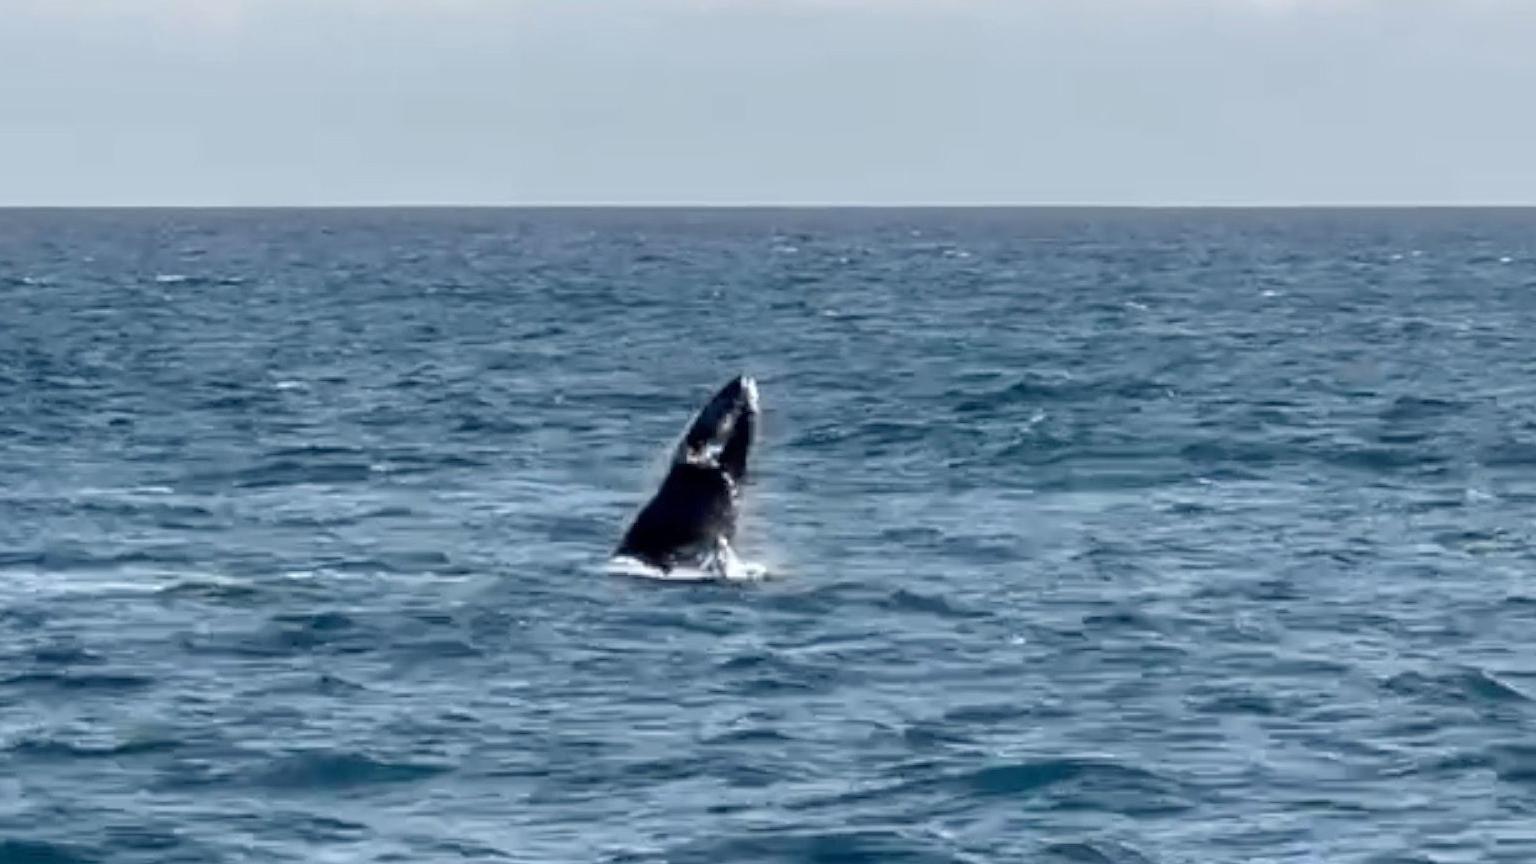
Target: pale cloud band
x: 717, y: 101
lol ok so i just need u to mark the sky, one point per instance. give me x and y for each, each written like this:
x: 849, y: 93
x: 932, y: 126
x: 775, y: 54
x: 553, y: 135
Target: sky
x: 872, y: 102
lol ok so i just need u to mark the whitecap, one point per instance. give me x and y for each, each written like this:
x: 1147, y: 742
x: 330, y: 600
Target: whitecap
x: 122, y: 491
x: 104, y: 579
x: 153, y: 490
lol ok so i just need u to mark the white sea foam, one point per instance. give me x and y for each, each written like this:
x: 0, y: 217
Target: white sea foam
x: 727, y: 568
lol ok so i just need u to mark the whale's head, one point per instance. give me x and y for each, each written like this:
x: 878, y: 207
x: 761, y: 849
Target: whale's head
x: 722, y: 433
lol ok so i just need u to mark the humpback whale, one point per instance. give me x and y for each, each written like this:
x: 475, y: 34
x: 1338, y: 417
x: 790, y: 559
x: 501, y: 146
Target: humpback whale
x: 691, y: 519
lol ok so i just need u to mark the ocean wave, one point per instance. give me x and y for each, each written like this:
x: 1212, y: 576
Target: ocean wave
x: 1133, y: 536
x: 323, y: 770
x: 22, y: 851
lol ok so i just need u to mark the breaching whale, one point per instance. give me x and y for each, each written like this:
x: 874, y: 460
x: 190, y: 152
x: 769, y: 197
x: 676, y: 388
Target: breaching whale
x: 691, y: 519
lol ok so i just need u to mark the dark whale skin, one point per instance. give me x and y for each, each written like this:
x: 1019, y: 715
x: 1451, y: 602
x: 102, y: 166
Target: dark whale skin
x: 695, y: 511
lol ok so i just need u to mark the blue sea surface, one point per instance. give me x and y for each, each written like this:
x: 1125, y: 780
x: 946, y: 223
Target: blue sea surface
x: 1097, y: 537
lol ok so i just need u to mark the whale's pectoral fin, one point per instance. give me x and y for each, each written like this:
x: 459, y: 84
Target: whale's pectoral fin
x: 718, y: 419
x: 727, y: 565
x: 722, y: 559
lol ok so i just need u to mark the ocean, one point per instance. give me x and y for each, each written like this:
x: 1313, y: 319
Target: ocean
x: 1116, y: 536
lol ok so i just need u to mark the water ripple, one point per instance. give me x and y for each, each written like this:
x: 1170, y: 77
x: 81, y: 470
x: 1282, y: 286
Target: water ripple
x: 1104, y: 537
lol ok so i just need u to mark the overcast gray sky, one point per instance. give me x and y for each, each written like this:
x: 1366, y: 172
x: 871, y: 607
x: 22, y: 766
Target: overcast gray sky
x: 214, y: 102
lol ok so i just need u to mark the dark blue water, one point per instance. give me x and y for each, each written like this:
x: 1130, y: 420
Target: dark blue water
x: 1100, y: 536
